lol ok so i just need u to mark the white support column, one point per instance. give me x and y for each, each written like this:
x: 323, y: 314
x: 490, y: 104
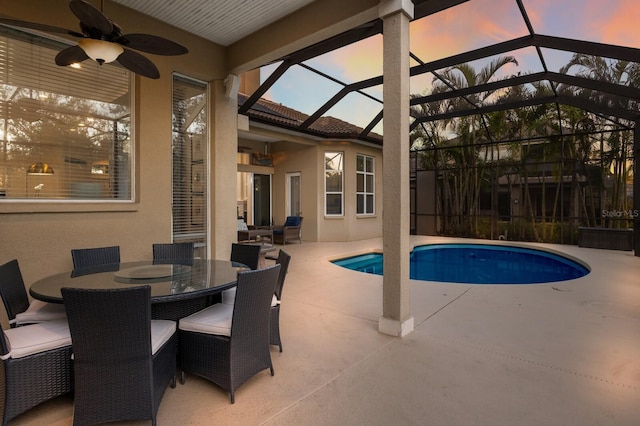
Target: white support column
x: 223, y: 161
x: 396, y: 318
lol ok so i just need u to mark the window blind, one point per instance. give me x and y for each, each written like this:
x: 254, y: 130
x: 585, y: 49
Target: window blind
x: 189, y: 161
x: 65, y: 132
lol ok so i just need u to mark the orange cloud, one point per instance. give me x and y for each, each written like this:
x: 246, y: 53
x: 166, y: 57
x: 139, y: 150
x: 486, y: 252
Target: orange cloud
x: 462, y: 28
x: 360, y: 61
x: 621, y: 26
x: 465, y: 27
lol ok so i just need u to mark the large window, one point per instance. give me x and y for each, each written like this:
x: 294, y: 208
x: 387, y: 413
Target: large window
x: 334, y: 183
x: 190, y: 153
x: 365, y: 178
x: 65, y: 132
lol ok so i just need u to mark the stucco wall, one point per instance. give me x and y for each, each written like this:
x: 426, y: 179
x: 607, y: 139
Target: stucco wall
x: 350, y: 227
x: 297, y: 159
x: 309, y: 161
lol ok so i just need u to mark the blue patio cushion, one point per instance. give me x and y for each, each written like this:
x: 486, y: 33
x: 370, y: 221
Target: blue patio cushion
x: 292, y: 221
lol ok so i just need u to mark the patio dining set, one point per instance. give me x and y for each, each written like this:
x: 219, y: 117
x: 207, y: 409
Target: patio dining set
x: 118, y: 334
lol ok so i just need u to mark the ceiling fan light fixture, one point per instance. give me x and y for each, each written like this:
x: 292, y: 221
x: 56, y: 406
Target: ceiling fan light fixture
x: 100, y: 51
x: 102, y: 40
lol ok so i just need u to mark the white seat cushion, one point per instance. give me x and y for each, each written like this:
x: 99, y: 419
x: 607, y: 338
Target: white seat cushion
x: 39, y: 311
x: 229, y: 297
x: 274, y: 301
x: 216, y: 319
x: 161, y: 331
x: 35, y: 338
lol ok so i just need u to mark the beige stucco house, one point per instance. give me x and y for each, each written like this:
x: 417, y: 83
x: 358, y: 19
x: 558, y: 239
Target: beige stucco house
x: 297, y: 174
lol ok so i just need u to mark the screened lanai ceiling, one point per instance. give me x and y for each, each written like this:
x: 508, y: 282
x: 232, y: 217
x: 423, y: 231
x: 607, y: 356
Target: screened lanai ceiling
x: 581, y: 53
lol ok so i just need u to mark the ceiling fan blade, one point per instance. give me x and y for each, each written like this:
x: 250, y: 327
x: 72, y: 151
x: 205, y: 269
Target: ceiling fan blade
x: 137, y: 63
x: 90, y: 16
x: 39, y: 27
x: 70, y: 55
x: 152, y: 44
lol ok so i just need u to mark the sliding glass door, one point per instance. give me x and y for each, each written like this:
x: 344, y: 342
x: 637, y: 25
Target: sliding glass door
x: 254, y: 198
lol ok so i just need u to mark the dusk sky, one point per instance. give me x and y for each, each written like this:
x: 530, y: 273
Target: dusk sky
x: 472, y: 25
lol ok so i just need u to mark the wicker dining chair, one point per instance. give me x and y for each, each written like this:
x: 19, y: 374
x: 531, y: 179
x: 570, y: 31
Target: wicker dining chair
x: 228, y: 344
x: 123, y: 361
x: 274, y: 314
x: 20, y: 310
x: 247, y: 254
x: 35, y: 366
x: 228, y: 297
x: 180, y: 253
x: 89, y: 257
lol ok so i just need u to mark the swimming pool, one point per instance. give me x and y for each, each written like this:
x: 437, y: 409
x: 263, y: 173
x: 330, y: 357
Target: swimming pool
x: 477, y: 264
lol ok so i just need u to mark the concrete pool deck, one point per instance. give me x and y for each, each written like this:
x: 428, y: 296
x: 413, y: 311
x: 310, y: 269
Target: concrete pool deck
x: 564, y: 353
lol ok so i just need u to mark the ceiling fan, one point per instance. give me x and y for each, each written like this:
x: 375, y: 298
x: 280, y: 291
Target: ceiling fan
x: 102, y: 40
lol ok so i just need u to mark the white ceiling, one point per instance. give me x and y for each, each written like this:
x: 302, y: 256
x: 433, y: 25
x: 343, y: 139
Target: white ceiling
x: 221, y: 21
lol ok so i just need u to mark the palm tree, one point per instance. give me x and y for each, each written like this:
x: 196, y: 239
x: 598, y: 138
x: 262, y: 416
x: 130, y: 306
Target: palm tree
x: 461, y: 162
x: 615, y: 164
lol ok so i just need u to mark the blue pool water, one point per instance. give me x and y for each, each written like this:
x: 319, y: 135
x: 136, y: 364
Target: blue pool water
x: 477, y: 264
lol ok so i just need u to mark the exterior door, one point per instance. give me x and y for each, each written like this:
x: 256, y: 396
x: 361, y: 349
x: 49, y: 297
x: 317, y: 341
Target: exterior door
x: 293, y: 207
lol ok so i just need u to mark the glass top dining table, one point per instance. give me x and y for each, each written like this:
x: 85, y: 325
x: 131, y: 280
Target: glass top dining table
x: 177, y: 289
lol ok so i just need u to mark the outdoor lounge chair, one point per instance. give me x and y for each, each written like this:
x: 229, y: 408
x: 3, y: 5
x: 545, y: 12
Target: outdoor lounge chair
x: 122, y: 362
x: 16, y: 302
x: 36, y: 365
x: 288, y: 232
x: 229, y: 344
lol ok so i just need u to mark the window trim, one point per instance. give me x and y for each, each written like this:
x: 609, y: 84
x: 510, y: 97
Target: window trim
x: 10, y: 205
x: 372, y: 192
x: 341, y: 193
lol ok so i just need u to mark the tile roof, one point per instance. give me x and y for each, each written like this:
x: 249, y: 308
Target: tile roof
x: 269, y: 112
